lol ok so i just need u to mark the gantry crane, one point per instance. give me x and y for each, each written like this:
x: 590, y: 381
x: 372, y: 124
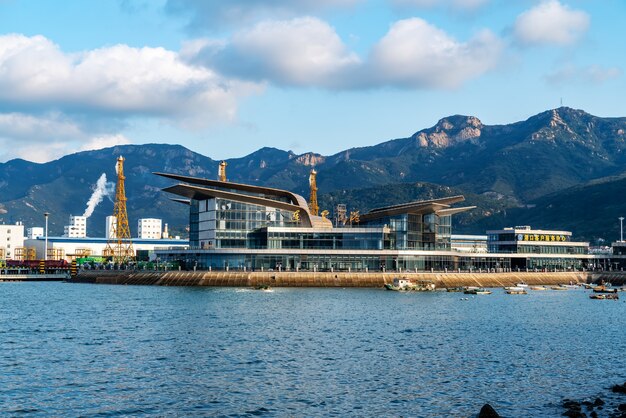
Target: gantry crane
x: 120, y: 245
x: 313, y: 198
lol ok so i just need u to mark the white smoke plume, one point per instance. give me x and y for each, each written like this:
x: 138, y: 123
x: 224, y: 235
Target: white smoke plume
x: 100, y: 190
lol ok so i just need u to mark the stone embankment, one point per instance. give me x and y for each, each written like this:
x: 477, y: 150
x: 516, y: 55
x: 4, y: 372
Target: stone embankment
x: 327, y: 279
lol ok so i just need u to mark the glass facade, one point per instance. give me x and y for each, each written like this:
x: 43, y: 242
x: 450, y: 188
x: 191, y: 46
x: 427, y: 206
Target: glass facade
x: 416, y: 231
x: 334, y: 239
x: 220, y: 223
x: 327, y: 261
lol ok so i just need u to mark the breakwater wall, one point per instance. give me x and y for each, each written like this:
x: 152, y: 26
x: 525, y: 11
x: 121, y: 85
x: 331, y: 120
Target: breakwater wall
x: 324, y: 279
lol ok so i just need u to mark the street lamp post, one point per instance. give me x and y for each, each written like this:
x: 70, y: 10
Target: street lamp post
x: 45, y: 250
x: 621, y: 228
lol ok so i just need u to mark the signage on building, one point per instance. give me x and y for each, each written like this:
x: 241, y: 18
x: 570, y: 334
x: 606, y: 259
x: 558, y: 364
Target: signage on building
x: 541, y: 237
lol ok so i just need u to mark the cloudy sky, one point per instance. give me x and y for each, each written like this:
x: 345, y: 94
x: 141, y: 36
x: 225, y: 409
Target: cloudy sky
x: 226, y: 77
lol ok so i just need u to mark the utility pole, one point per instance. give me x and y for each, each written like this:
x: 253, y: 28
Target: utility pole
x: 45, y: 250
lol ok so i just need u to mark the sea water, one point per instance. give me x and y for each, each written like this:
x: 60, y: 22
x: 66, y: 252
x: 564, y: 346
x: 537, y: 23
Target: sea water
x: 102, y: 350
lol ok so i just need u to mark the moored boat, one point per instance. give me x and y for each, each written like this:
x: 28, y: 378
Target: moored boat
x: 408, y: 285
x: 604, y: 289
x: 476, y: 291
x: 515, y: 290
x: 538, y: 288
x: 613, y: 296
x: 559, y: 287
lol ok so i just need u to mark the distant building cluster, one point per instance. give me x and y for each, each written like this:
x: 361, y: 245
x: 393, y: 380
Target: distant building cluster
x: 15, y: 244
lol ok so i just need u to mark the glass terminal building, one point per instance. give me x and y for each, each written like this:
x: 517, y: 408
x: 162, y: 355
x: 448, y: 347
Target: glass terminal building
x: 246, y: 227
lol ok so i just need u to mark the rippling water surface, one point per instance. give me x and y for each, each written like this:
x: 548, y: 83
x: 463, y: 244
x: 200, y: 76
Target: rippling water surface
x: 68, y: 349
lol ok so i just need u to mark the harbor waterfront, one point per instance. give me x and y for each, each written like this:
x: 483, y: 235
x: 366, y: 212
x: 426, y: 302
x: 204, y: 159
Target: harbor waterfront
x: 338, y: 279
x: 85, y: 350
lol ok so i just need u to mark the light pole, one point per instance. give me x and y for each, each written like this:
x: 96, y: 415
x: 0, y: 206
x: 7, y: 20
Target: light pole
x: 45, y: 250
x: 621, y: 228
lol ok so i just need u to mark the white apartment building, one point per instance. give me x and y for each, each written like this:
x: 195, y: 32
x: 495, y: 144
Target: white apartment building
x: 11, y: 237
x: 77, y: 227
x: 111, y: 225
x: 149, y: 228
x: 34, y: 232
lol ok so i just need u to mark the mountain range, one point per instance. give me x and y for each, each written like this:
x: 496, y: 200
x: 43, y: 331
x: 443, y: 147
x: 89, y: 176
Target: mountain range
x: 560, y: 169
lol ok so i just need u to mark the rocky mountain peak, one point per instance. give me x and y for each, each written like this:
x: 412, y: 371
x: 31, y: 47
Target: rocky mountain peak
x: 310, y: 159
x: 450, y: 131
x: 556, y: 123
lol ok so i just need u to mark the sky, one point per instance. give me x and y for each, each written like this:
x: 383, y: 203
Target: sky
x: 227, y: 77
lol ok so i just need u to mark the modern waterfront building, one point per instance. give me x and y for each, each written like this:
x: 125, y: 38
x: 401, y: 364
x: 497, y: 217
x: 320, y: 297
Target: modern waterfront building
x: 542, y: 248
x: 149, y: 228
x: 250, y: 227
x: 241, y: 226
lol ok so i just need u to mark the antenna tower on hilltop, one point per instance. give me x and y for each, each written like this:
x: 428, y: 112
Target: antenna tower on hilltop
x: 313, y: 198
x: 120, y: 246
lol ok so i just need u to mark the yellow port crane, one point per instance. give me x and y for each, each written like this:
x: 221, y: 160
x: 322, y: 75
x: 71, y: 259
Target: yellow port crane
x: 120, y: 245
x: 313, y: 197
x: 221, y: 172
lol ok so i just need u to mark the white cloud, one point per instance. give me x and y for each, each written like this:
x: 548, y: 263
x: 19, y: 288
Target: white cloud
x: 34, y: 152
x: 298, y: 52
x: 104, y: 141
x: 210, y: 15
x: 23, y: 127
x: 307, y: 52
x: 416, y: 54
x: 454, y: 5
x: 35, y: 73
x: 594, y: 74
x: 550, y: 23
x: 47, y: 137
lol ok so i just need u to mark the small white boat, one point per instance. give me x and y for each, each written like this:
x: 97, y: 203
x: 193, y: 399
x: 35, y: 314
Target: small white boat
x: 407, y: 285
x: 538, y: 288
x: 516, y: 290
x: 472, y: 290
x: 522, y: 284
x: 558, y: 287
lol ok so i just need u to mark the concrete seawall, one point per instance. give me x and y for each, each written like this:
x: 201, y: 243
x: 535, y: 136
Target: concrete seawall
x: 328, y: 279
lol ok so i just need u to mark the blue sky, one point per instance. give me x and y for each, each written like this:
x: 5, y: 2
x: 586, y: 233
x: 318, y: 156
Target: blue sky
x: 225, y: 78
